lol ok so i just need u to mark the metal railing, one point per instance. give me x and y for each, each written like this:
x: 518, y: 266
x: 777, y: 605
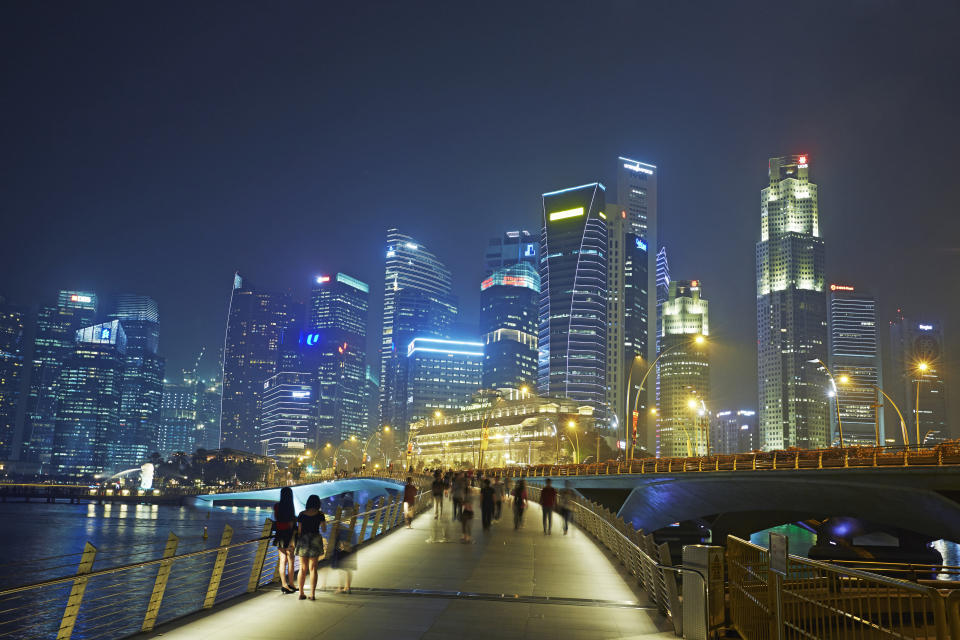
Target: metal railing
x: 648, y: 562
x: 946, y: 454
x: 123, y: 600
x: 814, y: 600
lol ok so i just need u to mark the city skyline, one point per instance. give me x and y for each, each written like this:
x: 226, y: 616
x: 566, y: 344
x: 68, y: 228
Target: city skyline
x: 209, y: 206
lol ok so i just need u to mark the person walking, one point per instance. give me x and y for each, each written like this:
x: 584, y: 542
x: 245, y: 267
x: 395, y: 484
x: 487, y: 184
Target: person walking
x: 519, y: 503
x: 548, y: 500
x: 436, y: 489
x: 310, y: 543
x: 409, y: 499
x: 498, y: 491
x: 284, y: 521
x: 564, y: 499
x: 457, y: 492
x: 487, y: 501
x: 344, y: 557
x: 466, y: 514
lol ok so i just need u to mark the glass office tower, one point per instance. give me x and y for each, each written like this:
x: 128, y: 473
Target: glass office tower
x: 508, y: 326
x: 919, y: 360
x: 573, y: 297
x: 13, y: 325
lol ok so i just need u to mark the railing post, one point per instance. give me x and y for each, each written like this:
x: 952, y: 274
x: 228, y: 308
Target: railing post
x: 366, y: 519
x: 820, y: 460
x: 76, y: 593
x: 796, y: 460
x: 260, y: 557
x: 160, y: 584
x: 353, y: 522
x: 846, y: 458
x: 218, y: 564
x: 376, y: 522
x: 334, y: 532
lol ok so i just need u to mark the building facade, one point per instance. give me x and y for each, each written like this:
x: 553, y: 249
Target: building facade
x: 53, y: 344
x: 179, y: 420
x: 289, y: 414
x: 441, y: 376
x: 515, y: 247
x: 417, y: 301
x: 143, y: 380
x: 13, y: 327
x: 918, y: 357
x: 854, y: 346
x: 256, y: 322
x: 683, y: 417
x: 734, y: 432
x: 337, y: 329
x: 791, y: 310
x: 509, y: 299
x: 90, y: 394
x: 573, y: 297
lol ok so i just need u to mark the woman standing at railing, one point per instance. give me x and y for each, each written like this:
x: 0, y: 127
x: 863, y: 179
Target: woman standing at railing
x: 284, y: 521
x: 310, y: 543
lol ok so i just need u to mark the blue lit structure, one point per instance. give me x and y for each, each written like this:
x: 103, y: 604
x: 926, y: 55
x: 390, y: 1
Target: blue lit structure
x: 440, y: 375
x: 508, y: 325
x: 573, y: 300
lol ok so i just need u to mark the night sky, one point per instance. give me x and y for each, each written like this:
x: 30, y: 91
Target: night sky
x: 154, y: 148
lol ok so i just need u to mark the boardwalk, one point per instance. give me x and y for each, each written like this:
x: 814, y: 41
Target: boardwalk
x: 600, y: 603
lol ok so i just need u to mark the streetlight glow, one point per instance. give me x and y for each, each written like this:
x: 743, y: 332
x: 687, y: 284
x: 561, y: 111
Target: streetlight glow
x: 922, y: 366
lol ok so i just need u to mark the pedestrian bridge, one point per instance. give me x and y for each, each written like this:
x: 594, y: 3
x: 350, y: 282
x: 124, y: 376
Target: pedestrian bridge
x: 362, y: 490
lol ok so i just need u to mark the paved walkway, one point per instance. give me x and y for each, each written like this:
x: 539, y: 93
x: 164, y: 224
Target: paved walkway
x: 526, y: 564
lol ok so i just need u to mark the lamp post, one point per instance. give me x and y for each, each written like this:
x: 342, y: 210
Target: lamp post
x: 698, y: 405
x: 698, y: 339
x: 903, y: 423
x: 627, y: 422
x: 921, y: 370
x: 337, y: 451
x: 572, y: 426
x: 836, y: 395
x: 386, y: 429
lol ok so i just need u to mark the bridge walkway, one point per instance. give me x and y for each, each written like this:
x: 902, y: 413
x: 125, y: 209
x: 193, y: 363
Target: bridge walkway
x: 509, y: 584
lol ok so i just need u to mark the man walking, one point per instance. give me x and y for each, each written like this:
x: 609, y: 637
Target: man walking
x: 436, y: 489
x: 486, y: 503
x: 548, y: 500
x: 409, y: 499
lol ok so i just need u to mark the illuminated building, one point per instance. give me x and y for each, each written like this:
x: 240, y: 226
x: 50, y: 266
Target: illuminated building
x: 637, y: 198
x: 178, y: 419
x: 573, y: 297
x: 288, y: 414
x: 53, y: 344
x: 636, y: 324
x: 513, y: 248
x: 494, y: 431
x: 855, y: 363
x: 509, y: 300
x: 208, y: 415
x: 335, y: 349
x: 255, y: 324
x: 13, y: 323
x: 417, y: 301
x: 683, y: 417
x: 791, y: 311
x: 663, y: 288
x: 90, y: 390
x: 440, y: 375
x: 918, y: 355
x: 734, y: 432
x: 143, y: 381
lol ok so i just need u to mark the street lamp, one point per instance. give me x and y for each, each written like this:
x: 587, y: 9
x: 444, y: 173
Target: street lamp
x: 698, y: 340
x: 572, y: 426
x: 921, y: 370
x: 835, y: 394
x: 903, y: 423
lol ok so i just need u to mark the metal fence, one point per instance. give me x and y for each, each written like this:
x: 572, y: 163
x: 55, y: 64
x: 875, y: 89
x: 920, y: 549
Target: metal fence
x: 814, y: 600
x: 946, y: 454
x: 120, y: 601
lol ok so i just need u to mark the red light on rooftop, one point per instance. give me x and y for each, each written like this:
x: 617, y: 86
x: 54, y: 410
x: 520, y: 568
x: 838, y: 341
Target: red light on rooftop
x: 841, y: 287
x: 803, y: 160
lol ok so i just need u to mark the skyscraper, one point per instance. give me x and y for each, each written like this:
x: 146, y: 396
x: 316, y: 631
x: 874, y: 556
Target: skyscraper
x: 53, y: 344
x: 663, y: 289
x: 683, y: 419
x: 509, y: 299
x: 573, y: 297
x: 734, y: 432
x: 855, y: 357
x: 617, y: 369
x: 441, y: 375
x: 511, y: 249
x: 256, y: 322
x: 417, y: 302
x: 13, y: 324
x: 289, y: 408
x: 178, y: 419
x: 918, y: 358
x: 143, y: 380
x: 637, y: 198
x: 791, y: 310
x: 90, y: 389
x: 337, y: 327
x: 636, y: 339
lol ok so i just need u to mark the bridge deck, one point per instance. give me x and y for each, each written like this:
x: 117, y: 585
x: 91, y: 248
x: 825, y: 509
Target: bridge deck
x: 524, y: 563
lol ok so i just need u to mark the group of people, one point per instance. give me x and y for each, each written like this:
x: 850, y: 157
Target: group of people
x: 493, y: 492
x: 301, y: 535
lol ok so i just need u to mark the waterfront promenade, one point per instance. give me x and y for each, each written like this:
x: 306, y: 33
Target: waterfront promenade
x: 413, y: 584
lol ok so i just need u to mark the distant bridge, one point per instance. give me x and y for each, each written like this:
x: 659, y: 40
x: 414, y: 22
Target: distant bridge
x: 364, y: 489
